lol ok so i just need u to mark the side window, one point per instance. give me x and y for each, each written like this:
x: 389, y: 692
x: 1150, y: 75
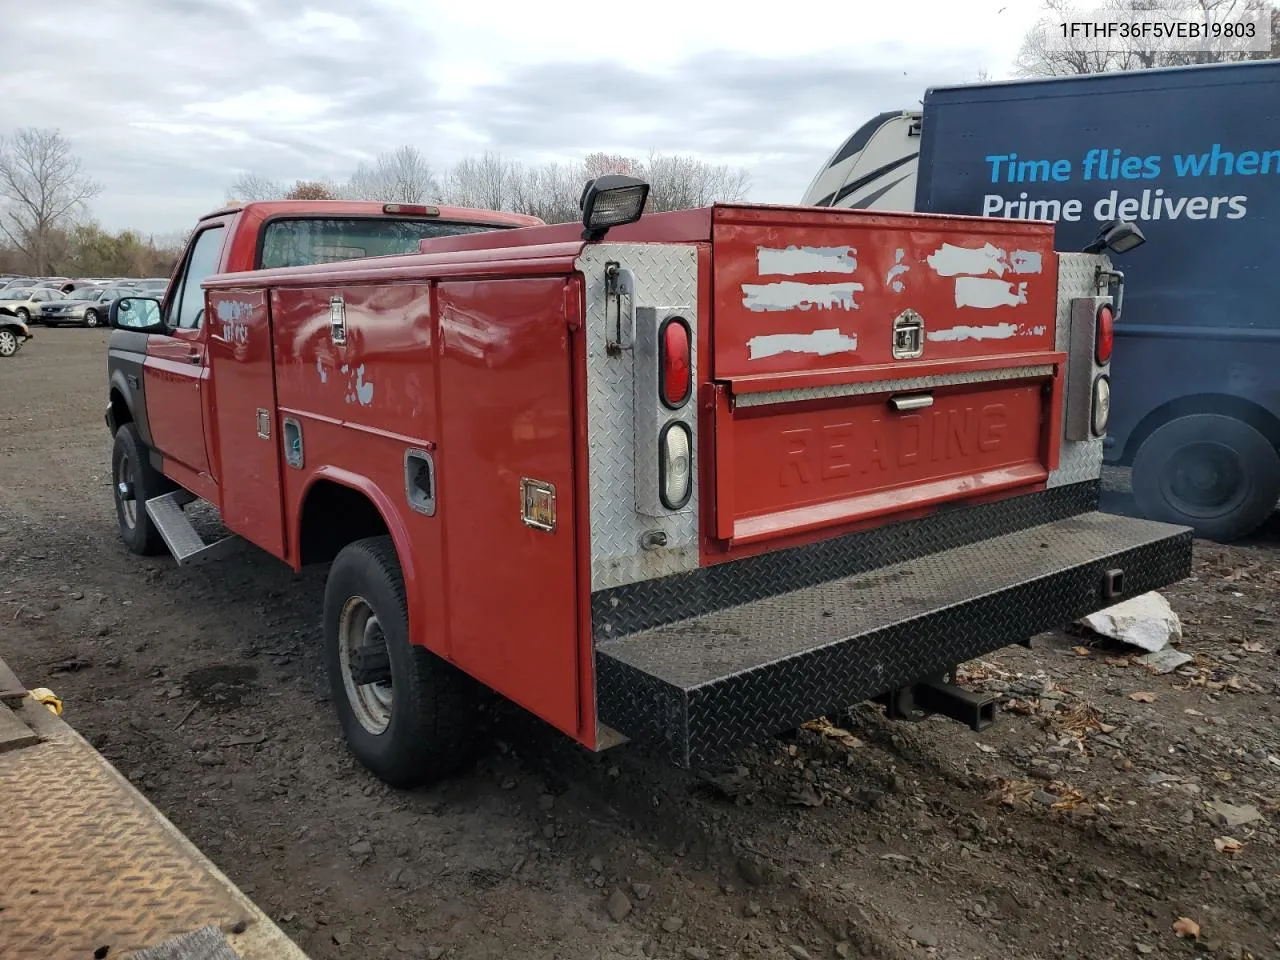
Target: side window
x: 40, y: 296
x: 188, y: 305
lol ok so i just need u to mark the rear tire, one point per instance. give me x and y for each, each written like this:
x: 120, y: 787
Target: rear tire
x: 419, y: 726
x: 1210, y: 472
x: 23, y: 314
x: 9, y: 343
x: 134, y: 481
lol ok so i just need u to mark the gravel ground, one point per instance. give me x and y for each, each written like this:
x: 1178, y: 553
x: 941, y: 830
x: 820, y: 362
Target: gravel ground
x: 1086, y: 824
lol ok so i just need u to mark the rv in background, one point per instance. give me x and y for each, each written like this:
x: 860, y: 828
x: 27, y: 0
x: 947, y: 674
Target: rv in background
x: 1192, y: 154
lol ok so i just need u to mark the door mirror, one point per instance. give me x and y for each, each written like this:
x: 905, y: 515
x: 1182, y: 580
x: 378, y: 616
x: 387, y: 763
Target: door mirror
x: 140, y: 314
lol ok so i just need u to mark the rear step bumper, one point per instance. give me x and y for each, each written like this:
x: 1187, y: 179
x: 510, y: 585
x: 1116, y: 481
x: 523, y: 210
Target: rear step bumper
x: 706, y: 684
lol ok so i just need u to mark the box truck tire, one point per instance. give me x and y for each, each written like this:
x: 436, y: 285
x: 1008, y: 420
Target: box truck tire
x: 407, y: 714
x: 1210, y: 472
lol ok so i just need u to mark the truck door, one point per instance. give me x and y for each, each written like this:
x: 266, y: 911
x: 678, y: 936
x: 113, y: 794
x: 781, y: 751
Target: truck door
x: 176, y: 372
x: 242, y: 415
x: 507, y: 490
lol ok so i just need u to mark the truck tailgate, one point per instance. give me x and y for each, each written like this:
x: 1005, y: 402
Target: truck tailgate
x: 870, y: 364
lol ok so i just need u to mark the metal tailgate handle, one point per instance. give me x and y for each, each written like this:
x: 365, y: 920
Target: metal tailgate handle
x: 911, y: 401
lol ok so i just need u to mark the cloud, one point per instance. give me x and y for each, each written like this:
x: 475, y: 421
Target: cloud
x: 167, y: 101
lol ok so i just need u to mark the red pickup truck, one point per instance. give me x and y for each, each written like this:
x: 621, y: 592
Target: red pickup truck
x: 694, y: 477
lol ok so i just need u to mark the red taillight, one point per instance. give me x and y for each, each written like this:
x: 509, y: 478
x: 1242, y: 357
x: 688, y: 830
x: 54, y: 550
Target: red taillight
x: 411, y: 209
x: 1105, y: 339
x: 674, y: 371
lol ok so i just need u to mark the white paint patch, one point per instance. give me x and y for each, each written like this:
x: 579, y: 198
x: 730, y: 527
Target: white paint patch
x: 999, y: 331
x: 792, y: 295
x: 1032, y: 331
x: 324, y: 374
x: 984, y: 293
x: 898, y: 269
x: 1024, y: 261
x: 358, y: 389
x: 820, y: 343
x: 229, y: 310
x: 792, y: 261
x: 949, y: 260
x: 364, y: 388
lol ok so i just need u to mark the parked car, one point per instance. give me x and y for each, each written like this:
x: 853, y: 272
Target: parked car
x: 13, y: 334
x: 153, y: 286
x: 89, y: 308
x: 23, y: 302
x: 83, y: 289
x: 54, y: 283
x: 9, y: 282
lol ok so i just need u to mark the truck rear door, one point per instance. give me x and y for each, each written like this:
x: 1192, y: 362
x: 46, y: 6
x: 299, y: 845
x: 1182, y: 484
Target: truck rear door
x: 871, y: 366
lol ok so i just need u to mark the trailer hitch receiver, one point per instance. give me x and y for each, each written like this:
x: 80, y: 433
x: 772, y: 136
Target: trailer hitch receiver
x: 938, y: 696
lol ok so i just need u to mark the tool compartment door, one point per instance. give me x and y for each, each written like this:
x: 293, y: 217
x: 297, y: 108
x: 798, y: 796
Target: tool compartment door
x: 868, y: 365
x: 242, y: 375
x: 506, y: 402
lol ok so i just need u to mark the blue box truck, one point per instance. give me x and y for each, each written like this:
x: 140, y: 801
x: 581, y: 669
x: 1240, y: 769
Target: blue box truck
x: 1191, y: 155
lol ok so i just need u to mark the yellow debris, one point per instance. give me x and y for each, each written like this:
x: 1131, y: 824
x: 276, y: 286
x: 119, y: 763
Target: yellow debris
x: 48, y: 698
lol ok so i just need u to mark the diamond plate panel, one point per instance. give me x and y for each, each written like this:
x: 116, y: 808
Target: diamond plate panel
x: 665, y: 274
x: 640, y: 606
x: 750, y: 671
x: 1079, y: 460
x: 90, y: 863
x: 889, y: 386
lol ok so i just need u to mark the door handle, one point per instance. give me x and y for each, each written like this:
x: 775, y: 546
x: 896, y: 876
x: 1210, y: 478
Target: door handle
x: 194, y: 356
x: 913, y: 401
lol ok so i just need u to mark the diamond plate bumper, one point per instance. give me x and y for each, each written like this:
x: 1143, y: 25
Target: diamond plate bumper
x: 89, y: 863
x: 705, y: 684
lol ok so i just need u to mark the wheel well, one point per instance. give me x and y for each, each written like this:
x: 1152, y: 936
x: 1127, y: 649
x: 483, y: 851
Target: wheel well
x: 120, y: 412
x: 334, y: 515
x: 1226, y: 405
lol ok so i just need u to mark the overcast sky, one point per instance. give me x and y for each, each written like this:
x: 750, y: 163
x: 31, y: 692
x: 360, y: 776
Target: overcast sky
x: 167, y: 101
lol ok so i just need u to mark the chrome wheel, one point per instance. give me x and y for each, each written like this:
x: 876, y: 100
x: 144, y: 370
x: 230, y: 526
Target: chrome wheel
x: 91, y: 318
x: 8, y: 343
x: 365, y: 661
x: 125, y: 494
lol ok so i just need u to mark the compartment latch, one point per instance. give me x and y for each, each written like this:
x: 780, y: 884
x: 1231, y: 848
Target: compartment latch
x: 908, y: 335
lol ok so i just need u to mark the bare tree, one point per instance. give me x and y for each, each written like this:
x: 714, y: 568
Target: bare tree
x: 1044, y: 55
x: 401, y: 176
x: 599, y: 164
x: 250, y: 186
x: 309, y: 190
x: 681, y: 182
x: 44, y: 191
x: 550, y: 192
x: 487, y: 182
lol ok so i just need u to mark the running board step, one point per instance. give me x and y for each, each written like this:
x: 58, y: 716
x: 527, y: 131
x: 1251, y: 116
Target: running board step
x: 704, y: 685
x: 182, y: 539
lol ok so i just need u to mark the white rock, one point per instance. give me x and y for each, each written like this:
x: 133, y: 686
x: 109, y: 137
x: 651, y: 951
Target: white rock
x: 1145, y: 621
x: 1166, y: 660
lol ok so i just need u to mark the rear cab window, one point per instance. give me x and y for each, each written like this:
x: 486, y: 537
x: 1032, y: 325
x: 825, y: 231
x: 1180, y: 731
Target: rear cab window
x: 300, y: 242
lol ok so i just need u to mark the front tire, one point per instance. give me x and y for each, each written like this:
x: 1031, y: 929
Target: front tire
x: 407, y: 714
x: 1210, y: 472
x: 134, y: 481
x: 91, y: 318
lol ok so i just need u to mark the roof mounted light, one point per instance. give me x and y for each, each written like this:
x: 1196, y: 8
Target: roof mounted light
x: 411, y: 209
x: 611, y: 201
x: 1118, y: 236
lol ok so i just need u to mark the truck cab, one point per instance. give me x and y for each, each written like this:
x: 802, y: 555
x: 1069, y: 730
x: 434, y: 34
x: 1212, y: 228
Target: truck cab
x: 692, y: 477
x: 158, y: 353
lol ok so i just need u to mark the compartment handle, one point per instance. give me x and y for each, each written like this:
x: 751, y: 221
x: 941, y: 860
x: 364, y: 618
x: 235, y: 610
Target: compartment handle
x: 911, y: 401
